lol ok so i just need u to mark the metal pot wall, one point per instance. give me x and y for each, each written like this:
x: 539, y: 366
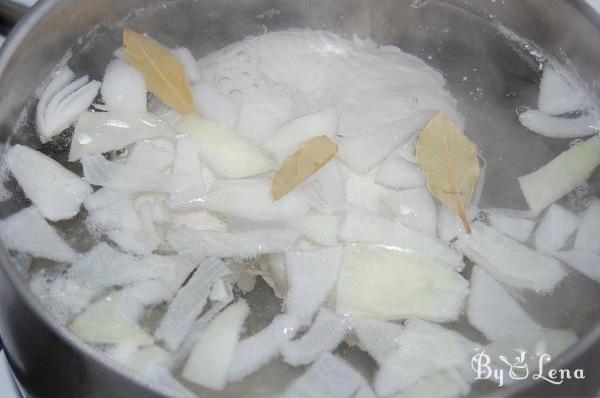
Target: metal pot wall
x: 456, y: 36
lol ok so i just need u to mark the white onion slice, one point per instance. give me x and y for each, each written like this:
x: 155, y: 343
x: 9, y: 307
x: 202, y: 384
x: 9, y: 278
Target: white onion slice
x: 291, y: 135
x: 256, y: 351
x: 123, y: 88
x: 414, y: 208
x: 565, y: 172
x: 493, y: 311
x: 62, y: 101
x: 510, y: 262
x: 449, y: 224
x: 361, y: 226
x: 326, y: 189
x: 321, y: 229
x: 326, y: 333
x: 103, y: 198
x: 559, y: 127
x: 364, y: 152
x: 311, y: 277
x: 587, y: 234
x: 100, y: 171
x: 225, y: 152
x: 399, y: 173
x: 215, y: 105
x: 519, y: 228
x: 26, y: 231
x: 389, y: 284
x: 173, y: 271
x: 560, y: 92
x: 187, y: 162
x: 252, y: 199
x: 56, y: 191
x: 225, y: 244
x: 555, y: 228
x: 329, y: 377
x: 584, y: 262
x: 149, y: 157
x: 188, y: 304
x: 423, y: 349
x: 100, y: 132
x: 210, y: 360
x: 189, y: 63
x: 377, y: 337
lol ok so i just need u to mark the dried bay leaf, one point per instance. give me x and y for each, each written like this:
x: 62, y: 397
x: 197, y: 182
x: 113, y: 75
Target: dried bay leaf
x: 163, y: 72
x: 449, y: 160
x: 306, y: 161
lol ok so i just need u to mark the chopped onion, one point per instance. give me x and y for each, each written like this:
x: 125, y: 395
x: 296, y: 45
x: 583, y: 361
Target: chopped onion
x: 510, y: 262
x: 399, y: 173
x: 150, y: 157
x: 223, y: 151
x: 187, y: 162
x: 123, y: 88
x: 188, y: 304
x: 560, y: 92
x: 225, y: 244
x: 559, y: 127
x: 189, y: 63
x: 449, y: 225
x: 252, y: 199
x: 364, y: 152
x: 210, y: 360
x: 103, y: 198
x: 377, y: 337
x: 291, y: 135
x: 325, y: 334
x: 493, y: 311
x: 519, y: 228
x: 361, y: 226
x: 329, y: 377
x: 557, y: 178
x: 584, y: 262
x: 100, y: 132
x: 26, y: 231
x: 100, y: 171
x: 56, y: 191
x: 424, y: 349
x: 311, y: 277
x: 390, y: 284
x: 320, y: 229
x: 326, y: 189
x: 62, y: 101
x: 215, y: 105
x: 554, y: 229
x: 256, y: 351
x: 173, y: 271
x: 414, y: 208
x: 587, y: 235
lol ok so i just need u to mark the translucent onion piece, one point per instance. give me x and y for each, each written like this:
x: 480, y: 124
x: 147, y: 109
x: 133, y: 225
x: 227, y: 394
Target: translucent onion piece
x: 225, y: 244
x: 329, y: 377
x: 414, y: 208
x: 398, y: 173
x: 291, y: 135
x: 560, y: 92
x: 210, y: 360
x: 377, y: 337
x: 555, y: 228
x: 557, y: 178
x: 390, y: 284
x: 62, y: 101
x: 326, y: 333
x: 510, y: 262
x: 364, y: 152
x: 518, y: 228
x: 100, y: 171
x: 189, y: 63
x: 493, y: 311
x: 256, y: 351
x: 449, y: 225
x: 320, y: 229
x: 26, y: 231
x: 326, y: 189
x: 123, y: 88
x: 215, y: 105
x: 100, y: 132
x: 187, y: 162
x: 188, y: 304
x: 584, y: 262
x: 56, y: 191
x: 587, y: 234
x: 149, y: 157
x: 559, y: 127
x: 103, y: 198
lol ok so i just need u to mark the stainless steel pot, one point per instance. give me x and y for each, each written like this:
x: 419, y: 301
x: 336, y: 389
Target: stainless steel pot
x: 456, y: 36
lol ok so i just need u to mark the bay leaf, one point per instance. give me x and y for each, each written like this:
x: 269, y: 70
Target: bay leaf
x: 449, y: 160
x: 164, y: 74
x: 306, y: 161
